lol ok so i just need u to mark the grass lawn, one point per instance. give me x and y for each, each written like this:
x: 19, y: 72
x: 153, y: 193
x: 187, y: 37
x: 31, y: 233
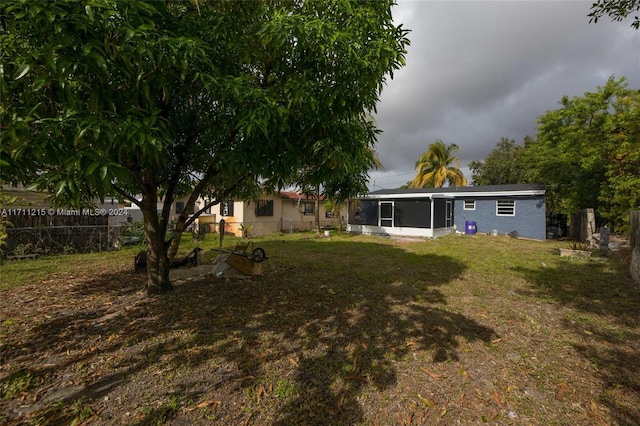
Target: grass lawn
x: 347, y: 330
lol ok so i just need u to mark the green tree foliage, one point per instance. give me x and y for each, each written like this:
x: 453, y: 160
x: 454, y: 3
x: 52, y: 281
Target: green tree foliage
x: 434, y: 167
x: 338, y: 171
x: 159, y: 100
x: 502, y: 166
x: 617, y: 10
x: 588, y: 152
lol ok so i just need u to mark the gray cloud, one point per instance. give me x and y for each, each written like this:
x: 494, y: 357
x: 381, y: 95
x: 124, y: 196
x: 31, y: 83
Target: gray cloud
x: 480, y: 70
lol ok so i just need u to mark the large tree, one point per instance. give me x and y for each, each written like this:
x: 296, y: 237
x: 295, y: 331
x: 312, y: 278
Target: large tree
x: 157, y: 100
x: 438, y: 165
x: 503, y: 165
x: 617, y: 10
x: 588, y: 152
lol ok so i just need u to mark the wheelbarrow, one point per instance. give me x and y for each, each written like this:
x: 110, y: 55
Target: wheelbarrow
x: 246, y: 249
x: 245, y: 258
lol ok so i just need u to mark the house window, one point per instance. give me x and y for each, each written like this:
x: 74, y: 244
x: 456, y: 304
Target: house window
x: 264, y: 208
x: 329, y: 214
x: 207, y: 209
x: 227, y: 209
x: 308, y: 208
x: 469, y: 205
x: 505, y: 208
x: 179, y: 207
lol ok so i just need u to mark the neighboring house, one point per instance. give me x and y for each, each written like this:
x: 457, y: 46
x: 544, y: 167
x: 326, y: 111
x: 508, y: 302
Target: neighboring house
x: 432, y: 212
x: 284, y: 211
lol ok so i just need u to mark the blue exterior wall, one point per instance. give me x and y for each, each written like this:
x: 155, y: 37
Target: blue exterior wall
x: 529, y: 221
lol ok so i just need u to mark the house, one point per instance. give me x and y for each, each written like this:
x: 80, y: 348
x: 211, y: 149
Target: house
x: 283, y: 211
x: 432, y: 212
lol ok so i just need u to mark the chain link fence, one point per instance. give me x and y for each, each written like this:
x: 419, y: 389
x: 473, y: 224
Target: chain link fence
x: 27, y: 242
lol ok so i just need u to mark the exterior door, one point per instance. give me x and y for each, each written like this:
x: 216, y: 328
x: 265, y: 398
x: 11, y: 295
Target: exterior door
x: 386, y: 213
x: 449, y: 214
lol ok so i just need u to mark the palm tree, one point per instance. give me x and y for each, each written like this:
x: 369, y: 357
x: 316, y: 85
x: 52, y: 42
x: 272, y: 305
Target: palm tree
x: 433, y: 167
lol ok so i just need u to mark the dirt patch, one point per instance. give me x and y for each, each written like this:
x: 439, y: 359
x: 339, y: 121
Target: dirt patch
x: 200, y: 272
x: 348, y: 331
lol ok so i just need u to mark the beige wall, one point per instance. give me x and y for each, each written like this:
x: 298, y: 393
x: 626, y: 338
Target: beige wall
x: 288, y: 215
x: 264, y: 225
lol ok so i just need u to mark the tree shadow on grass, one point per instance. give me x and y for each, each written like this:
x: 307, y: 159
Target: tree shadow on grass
x: 327, y: 322
x: 608, y: 325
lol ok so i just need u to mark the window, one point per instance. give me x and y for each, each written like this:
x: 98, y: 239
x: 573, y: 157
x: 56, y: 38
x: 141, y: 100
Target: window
x: 226, y: 208
x: 207, y: 210
x: 179, y: 207
x: 368, y: 214
x: 469, y: 205
x: 328, y: 214
x: 505, y: 208
x: 264, y: 208
x: 308, y: 208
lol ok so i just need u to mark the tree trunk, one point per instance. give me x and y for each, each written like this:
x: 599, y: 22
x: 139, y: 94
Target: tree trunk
x: 175, y: 240
x: 158, y: 265
x: 337, y: 218
x: 158, y: 262
x: 317, y: 209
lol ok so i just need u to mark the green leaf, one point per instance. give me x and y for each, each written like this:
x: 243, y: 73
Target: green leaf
x: 92, y: 167
x: 22, y: 71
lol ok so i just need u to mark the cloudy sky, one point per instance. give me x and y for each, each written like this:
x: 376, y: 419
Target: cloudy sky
x: 480, y: 70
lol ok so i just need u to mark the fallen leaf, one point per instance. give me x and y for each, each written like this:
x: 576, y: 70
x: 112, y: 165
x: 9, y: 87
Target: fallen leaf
x: 425, y: 401
x: 261, y: 392
x: 496, y: 398
x: 430, y: 373
x: 494, y: 415
x: 246, y: 422
x: 330, y: 410
x: 208, y: 403
x: 498, y: 340
x: 443, y: 412
x: 563, y: 389
x: 293, y: 361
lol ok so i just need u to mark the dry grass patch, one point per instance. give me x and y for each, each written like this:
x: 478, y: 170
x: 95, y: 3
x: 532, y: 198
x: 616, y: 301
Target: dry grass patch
x: 340, y: 330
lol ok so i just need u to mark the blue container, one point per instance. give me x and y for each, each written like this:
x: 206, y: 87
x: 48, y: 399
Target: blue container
x: 470, y: 227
